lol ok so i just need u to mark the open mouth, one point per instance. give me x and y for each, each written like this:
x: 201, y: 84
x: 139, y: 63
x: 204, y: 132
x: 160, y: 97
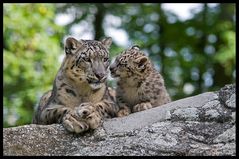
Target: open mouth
x: 95, y: 84
x: 93, y: 81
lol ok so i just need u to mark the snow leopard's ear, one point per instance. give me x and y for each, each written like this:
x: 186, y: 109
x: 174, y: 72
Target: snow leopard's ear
x: 71, y: 45
x: 141, y: 62
x: 107, y: 42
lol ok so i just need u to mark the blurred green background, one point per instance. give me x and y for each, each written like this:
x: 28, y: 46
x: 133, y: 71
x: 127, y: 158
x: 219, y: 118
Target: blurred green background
x: 195, y: 54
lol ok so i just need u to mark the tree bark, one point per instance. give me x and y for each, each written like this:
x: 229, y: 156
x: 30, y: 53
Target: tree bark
x: 98, y: 23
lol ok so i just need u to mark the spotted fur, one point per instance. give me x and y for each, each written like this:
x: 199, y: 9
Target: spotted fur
x: 80, y: 98
x: 139, y: 85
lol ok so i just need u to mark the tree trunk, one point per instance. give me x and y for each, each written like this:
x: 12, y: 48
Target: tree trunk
x: 98, y: 23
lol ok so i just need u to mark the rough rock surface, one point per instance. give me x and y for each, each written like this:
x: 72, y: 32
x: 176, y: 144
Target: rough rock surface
x: 199, y: 125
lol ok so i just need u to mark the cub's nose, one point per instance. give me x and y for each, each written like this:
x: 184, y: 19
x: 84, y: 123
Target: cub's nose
x: 111, y: 68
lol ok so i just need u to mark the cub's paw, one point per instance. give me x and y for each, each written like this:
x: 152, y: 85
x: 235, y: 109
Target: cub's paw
x: 72, y: 123
x: 88, y: 113
x: 142, y: 106
x: 124, y: 111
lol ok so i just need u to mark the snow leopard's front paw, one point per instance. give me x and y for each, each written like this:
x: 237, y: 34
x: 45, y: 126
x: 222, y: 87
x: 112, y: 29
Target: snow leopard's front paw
x: 89, y: 113
x: 73, y: 123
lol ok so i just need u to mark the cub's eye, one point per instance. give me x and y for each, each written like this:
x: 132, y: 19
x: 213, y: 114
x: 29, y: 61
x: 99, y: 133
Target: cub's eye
x: 122, y: 64
x: 105, y: 59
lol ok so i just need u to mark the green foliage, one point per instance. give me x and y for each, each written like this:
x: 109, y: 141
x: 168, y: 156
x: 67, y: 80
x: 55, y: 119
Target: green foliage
x: 31, y: 53
x: 226, y: 53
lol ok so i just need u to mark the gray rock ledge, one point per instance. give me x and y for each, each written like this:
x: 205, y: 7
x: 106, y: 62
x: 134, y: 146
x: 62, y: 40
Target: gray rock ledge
x: 199, y: 125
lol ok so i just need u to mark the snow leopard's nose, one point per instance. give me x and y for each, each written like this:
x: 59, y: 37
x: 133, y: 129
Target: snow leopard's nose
x: 99, y: 70
x: 100, y: 75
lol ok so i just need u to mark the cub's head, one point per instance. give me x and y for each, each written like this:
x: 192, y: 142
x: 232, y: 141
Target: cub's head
x: 86, y: 61
x: 130, y: 63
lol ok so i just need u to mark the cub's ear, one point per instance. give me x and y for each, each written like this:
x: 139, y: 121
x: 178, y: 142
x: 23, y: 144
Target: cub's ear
x: 71, y: 44
x: 141, y: 62
x: 107, y: 42
x: 136, y: 47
